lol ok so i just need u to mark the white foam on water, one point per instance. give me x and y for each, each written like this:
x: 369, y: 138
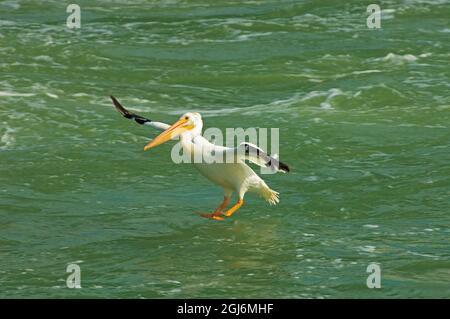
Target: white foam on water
x: 54, y: 96
x: 216, y: 22
x: 9, y: 93
x: 7, y: 23
x: 370, y: 226
x: 223, y: 111
x: 11, y: 5
x: 329, y: 94
x: 381, y: 86
x: 80, y: 94
x: 367, y: 248
x: 366, y: 71
x: 326, y: 106
x: 422, y: 255
x: 177, y: 40
x: 44, y: 58
x: 132, y: 25
x: 140, y: 100
x: 431, y: 2
x: 285, y: 104
x: 387, y: 14
x: 245, y: 37
x: 308, y: 17
x: 7, y: 139
x: 398, y: 58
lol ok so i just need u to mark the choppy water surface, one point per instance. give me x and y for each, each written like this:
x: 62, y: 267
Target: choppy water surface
x: 364, y: 124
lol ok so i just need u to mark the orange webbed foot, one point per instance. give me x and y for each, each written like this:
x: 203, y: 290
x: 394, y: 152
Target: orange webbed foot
x: 215, y: 215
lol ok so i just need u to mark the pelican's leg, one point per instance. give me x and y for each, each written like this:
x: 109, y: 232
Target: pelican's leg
x: 217, y: 214
x: 234, y: 208
x: 226, y: 201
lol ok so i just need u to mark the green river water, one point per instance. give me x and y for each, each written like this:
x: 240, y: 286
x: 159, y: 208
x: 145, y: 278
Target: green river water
x: 364, y: 120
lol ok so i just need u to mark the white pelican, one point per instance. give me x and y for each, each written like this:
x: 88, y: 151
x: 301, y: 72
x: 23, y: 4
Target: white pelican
x: 236, y: 176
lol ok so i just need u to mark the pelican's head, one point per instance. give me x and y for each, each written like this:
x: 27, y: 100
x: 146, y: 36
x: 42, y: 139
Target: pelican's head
x: 189, y: 123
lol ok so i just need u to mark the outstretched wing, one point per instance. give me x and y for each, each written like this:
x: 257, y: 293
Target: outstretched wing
x: 246, y: 151
x: 257, y: 156
x: 137, y: 118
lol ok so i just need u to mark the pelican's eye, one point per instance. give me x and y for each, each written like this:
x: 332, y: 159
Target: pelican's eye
x: 186, y: 118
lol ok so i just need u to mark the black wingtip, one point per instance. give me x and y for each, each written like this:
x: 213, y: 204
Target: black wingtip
x: 119, y: 107
x: 114, y: 100
x: 283, y: 167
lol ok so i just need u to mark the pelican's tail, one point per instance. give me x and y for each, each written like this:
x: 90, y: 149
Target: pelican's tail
x: 270, y: 195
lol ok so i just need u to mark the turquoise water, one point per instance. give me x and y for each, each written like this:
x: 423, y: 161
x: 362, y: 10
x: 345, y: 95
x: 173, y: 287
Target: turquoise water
x: 364, y: 125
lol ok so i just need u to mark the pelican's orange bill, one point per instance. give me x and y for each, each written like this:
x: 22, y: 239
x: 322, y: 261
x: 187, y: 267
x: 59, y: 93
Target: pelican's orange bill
x: 173, y: 131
